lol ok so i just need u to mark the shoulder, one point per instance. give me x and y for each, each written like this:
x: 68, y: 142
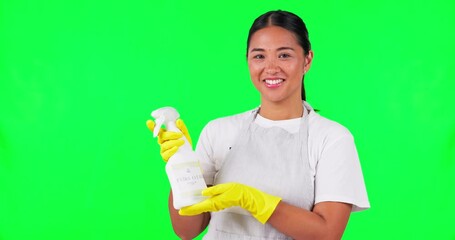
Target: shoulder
x: 224, y: 130
x: 326, y: 130
x: 228, y: 123
x: 326, y: 136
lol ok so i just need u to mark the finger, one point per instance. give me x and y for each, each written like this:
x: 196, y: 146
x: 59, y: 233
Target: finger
x: 217, y: 189
x: 167, y: 135
x: 198, y: 208
x: 190, y: 211
x: 168, y: 154
x: 181, y: 125
x: 150, y: 124
x: 170, y: 144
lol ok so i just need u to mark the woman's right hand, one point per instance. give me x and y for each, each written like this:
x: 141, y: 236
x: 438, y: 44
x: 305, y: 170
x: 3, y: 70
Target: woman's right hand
x: 170, y: 141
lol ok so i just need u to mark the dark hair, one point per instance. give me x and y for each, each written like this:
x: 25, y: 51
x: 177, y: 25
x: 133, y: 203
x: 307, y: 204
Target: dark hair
x: 288, y: 21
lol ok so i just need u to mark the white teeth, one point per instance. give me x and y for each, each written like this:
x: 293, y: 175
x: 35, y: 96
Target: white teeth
x: 273, y: 82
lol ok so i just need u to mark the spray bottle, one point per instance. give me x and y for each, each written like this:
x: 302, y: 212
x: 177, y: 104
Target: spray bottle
x: 182, y: 168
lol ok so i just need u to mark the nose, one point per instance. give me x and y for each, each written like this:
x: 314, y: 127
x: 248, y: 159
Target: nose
x: 272, y: 66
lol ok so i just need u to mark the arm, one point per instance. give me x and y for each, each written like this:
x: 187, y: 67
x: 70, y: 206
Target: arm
x: 187, y: 227
x: 327, y: 220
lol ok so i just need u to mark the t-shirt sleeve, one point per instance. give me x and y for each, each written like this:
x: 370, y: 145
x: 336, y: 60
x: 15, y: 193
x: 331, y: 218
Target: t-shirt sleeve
x: 339, y: 176
x: 204, y: 150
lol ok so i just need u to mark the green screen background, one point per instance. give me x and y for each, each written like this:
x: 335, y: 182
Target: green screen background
x: 78, y: 80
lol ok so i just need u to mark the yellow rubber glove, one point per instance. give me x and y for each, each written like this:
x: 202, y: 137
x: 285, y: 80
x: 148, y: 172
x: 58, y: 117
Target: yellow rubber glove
x: 170, y: 141
x: 261, y: 205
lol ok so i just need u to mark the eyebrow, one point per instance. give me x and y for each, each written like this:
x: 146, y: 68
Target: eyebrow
x: 279, y: 49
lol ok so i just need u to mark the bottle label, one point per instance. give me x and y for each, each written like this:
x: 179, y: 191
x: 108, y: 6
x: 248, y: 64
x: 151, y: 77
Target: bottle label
x: 189, y: 179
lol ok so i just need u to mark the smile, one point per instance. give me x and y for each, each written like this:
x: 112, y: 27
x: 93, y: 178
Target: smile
x: 273, y: 83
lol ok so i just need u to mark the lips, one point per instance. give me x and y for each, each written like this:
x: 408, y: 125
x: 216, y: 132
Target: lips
x: 273, y: 83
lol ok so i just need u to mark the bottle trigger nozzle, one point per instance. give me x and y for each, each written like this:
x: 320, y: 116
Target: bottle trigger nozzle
x: 158, y: 123
x: 164, y: 116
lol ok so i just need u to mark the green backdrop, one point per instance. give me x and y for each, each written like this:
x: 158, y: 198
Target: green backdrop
x: 79, y: 78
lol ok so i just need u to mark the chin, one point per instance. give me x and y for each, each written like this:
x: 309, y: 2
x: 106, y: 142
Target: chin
x: 271, y: 99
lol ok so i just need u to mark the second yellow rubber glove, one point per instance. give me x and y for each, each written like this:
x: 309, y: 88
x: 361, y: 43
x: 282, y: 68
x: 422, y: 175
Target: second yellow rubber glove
x: 261, y: 205
x: 170, y: 141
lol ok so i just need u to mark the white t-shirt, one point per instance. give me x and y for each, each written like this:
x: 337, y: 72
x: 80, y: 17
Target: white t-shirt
x: 334, y: 161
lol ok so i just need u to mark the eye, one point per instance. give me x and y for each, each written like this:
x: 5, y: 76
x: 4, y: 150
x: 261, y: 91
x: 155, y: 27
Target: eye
x: 284, y: 55
x: 258, y: 56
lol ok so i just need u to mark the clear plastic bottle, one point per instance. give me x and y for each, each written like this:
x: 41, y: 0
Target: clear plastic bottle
x: 182, y: 168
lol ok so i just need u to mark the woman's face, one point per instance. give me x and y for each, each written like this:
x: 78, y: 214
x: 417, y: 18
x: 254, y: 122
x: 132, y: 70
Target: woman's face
x: 277, y: 64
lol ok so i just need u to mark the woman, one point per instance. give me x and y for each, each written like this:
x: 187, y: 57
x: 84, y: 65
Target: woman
x: 280, y: 171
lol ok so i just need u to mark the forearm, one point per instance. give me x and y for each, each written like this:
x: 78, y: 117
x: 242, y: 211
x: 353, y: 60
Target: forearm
x: 300, y: 223
x: 187, y: 227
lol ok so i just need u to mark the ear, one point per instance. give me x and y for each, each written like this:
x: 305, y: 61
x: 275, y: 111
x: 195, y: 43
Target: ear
x: 308, y: 61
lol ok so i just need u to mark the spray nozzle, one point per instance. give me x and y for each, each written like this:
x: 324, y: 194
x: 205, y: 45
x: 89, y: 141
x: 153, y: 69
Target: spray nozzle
x: 164, y: 116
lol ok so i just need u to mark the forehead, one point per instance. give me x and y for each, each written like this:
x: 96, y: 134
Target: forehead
x: 273, y: 36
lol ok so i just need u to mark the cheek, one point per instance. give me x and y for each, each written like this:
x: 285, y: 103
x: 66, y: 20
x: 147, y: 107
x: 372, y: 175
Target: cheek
x: 295, y: 69
x: 254, y: 69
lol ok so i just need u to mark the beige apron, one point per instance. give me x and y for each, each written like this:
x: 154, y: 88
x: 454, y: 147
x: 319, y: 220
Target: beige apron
x: 269, y: 159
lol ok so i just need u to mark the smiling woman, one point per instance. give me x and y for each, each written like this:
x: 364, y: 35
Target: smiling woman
x: 280, y: 171
x: 295, y: 26
x: 277, y: 64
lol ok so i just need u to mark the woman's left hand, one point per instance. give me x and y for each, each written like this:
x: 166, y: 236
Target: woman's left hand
x: 261, y: 205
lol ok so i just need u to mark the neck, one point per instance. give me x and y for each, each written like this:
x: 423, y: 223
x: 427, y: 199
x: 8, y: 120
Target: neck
x: 281, y: 110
